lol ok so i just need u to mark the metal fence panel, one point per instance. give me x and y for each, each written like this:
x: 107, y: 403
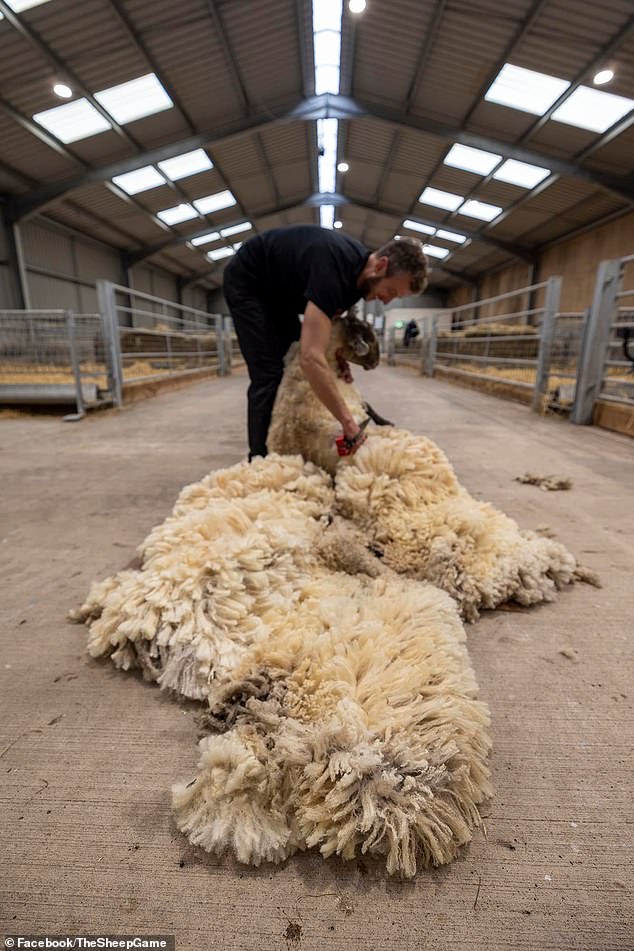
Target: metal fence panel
x: 156, y: 339
x: 53, y: 357
x: 606, y: 366
x: 617, y: 384
x: 519, y: 347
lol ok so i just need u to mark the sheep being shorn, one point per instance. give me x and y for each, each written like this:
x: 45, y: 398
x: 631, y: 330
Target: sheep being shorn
x: 402, y: 492
x: 344, y: 704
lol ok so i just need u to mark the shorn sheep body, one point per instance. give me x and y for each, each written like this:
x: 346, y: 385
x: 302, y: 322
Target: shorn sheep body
x: 401, y: 491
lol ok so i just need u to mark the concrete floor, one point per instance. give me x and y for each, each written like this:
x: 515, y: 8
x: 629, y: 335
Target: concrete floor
x: 87, y: 753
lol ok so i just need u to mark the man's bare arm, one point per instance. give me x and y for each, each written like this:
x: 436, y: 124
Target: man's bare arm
x: 313, y: 344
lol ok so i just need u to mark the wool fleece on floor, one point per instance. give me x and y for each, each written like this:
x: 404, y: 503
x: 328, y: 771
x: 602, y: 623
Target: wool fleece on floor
x: 341, y: 705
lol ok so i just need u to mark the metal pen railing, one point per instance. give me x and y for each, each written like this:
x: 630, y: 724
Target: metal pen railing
x: 154, y: 339
x: 606, y: 365
x: 52, y: 357
x: 515, y: 346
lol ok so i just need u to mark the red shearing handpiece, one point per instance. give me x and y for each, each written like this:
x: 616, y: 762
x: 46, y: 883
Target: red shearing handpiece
x: 346, y: 447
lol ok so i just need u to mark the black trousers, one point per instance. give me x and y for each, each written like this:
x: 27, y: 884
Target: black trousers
x: 264, y: 336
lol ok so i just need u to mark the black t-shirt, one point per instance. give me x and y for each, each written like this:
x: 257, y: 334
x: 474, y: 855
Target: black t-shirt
x: 287, y: 267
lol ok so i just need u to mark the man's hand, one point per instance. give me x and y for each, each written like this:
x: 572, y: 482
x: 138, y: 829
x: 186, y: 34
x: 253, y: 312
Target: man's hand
x: 353, y: 437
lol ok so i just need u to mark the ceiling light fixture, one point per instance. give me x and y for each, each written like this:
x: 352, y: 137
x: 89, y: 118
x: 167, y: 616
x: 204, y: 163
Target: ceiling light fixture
x: 338, y: 224
x: 602, y: 77
x: 343, y: 167
x: 357, y: 6
x: 62, y: 90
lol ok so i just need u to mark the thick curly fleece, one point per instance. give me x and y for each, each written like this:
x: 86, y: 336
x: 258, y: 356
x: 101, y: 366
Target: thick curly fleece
x: 346, y: 703
x: 316, y: 611
x: 401, y: 491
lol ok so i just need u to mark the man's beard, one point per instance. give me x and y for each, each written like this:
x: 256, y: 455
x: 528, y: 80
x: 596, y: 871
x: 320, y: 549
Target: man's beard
x: 367, y: 286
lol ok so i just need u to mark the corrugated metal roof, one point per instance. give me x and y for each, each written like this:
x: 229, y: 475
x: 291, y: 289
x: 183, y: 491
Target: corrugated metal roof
x: 245, y: 58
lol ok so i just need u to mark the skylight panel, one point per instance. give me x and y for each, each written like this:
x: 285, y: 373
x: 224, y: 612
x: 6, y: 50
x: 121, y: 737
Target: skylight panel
x: 441, y: 199
x: 189, y: 163
x: 206, y: 238
x: 521, y: 173
x: 326, y: 15
x: 417, y: 226
x: 592, y: 109
x: 451, y: 236
x: 435, y: 252
x: 140, y: 180
x: 327, y: 216
x: 215, y: 202
x: 219, y: 253
x: 480, y: 209
x: 472, y: 160
x: 236, y: 229
x: 525, y: 89
x: 327, y: 45
x: 327, y: 132
x: 135, y: 99
x: 176, y: 214
x: 18, y: 6
x: 72, y: 121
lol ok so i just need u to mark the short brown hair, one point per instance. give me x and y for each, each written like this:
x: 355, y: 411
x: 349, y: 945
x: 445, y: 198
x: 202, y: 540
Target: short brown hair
x: 406, y: 255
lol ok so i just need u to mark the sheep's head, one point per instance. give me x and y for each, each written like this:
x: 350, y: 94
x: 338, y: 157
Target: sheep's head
x: 354, y: 341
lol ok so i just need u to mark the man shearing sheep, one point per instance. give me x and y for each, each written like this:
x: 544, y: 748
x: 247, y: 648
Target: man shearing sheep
x: 303, y: 269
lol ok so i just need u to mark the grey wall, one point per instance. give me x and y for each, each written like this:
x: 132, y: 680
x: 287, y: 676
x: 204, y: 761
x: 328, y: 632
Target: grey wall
x: 217, y: 302
x: 62, y: 268
x: 434, y: 297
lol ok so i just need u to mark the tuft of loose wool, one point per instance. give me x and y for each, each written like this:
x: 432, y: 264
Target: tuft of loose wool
x: 550, y: 483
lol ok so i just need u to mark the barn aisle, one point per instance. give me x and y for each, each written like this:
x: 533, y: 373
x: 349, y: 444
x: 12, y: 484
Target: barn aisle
x: 88, y: 753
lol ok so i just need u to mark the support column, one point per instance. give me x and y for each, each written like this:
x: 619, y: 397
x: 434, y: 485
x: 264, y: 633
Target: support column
x: 594, y: 345
x: 16, y: 262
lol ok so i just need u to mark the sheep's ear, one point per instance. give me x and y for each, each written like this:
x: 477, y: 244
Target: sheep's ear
x: 360, y: 347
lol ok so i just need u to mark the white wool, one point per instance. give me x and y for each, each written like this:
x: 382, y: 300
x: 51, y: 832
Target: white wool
x: 346, y: 704
x: 401, y: 492
x: 319, y: 621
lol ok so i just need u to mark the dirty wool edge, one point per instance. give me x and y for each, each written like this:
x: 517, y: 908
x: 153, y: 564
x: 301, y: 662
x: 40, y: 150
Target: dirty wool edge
x: 373, y: 741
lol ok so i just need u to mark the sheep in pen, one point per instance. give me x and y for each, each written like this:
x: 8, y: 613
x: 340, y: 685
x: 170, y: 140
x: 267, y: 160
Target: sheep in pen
x: 315, y: 607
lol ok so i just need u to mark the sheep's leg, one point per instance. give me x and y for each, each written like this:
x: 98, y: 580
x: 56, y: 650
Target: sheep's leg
x: 374, y: 416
